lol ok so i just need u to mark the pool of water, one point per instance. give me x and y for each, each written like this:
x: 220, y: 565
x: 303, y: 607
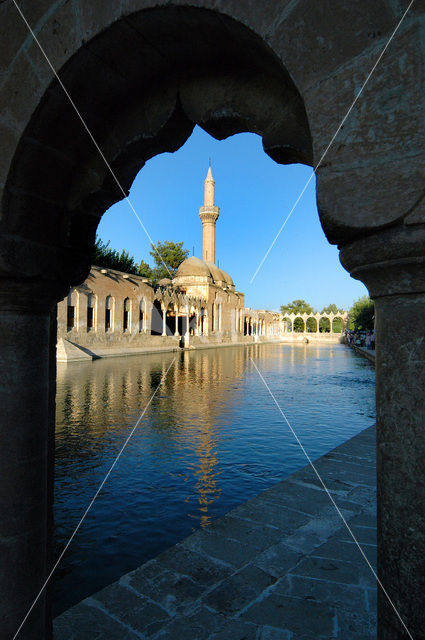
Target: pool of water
x: 210, y: 439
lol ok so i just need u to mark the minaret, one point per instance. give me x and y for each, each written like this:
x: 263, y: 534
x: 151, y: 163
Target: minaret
x: 208, y: 214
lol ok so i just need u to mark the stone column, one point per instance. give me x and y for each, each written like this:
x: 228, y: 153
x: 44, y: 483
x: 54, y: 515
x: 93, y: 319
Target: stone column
x: 392, y: 265
x: 27, y: 399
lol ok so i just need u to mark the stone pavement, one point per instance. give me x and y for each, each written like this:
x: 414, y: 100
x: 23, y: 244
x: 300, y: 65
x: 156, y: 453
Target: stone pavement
x: 282, y: 566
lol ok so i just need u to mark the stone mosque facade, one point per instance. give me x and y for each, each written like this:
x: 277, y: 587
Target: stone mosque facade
x: 116, y: 313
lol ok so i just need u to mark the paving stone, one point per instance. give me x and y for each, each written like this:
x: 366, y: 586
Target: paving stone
x: 259, y: 536
x: 233, y: 552
x: 236, y: 630
x: 336, y: 571
x: 346, y: 550
x: 136, y: 611
x: 340, y: 595
x: 365, y: 520
x: 271, y: 633
x: 278, y: 559
x: 363, y: 535
x: 170, y: 590
x: 293, y: 614
x: 286, y: 520
x: 197, y: 626
x: 317, y: 530
x: 239, y: 589
x: 202, y: 569
x: 352, y: 626
x: 84, y: 622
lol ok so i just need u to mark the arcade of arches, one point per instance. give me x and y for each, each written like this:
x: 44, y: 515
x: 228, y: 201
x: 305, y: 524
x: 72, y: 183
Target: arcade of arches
x: 143, y: 73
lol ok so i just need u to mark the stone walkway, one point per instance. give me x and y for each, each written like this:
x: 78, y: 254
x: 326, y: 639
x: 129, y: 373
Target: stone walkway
x: 282, y: 566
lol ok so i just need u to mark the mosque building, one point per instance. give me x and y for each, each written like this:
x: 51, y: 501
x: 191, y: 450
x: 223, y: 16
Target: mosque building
x: 116, y: 313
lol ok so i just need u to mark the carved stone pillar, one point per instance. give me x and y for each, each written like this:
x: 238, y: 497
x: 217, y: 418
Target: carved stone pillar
x: 392, y: 265
x: 27, y: 398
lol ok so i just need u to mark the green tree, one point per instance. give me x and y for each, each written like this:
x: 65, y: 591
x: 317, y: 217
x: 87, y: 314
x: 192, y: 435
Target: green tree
x: 104, y: 256
x: 299, y: 325
x: 311, y: 325
x: 167, y: 256
x: 145, y: 270
x: 332, y: 308
x: 362, y: 314
x: 296, y: 306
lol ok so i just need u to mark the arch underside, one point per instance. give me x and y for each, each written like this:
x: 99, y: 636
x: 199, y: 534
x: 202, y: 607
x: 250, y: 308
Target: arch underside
x: 138, y: 100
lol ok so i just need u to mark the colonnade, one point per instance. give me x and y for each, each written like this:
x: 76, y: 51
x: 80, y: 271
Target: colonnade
x: 323, y: 322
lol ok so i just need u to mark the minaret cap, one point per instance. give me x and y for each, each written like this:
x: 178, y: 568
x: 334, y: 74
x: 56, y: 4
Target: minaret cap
x: 209, y: 177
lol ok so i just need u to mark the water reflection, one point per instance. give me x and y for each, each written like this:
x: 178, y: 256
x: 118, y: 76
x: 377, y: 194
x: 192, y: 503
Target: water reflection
x: 209, y: 440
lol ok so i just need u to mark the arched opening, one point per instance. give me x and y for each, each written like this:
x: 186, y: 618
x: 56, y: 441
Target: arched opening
x: 91, y: 317
x: 109, y: 313
x: 71, y: 315
x: 192, y: 322
x: 324, y: 325
x: 337, y: 325
x: 157, y: 319
x: 126, y: 315
x: 202, y: 319
x: 234, y: 83
x: 311, y: 325
x: 142, y: 316
x: 299, y: 326
x: 170, y: 319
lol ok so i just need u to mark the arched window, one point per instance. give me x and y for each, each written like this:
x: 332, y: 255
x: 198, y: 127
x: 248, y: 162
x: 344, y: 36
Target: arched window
x: 109, y: 313
x: 71, y: 310
x: 213, y: 317
x: 126, y: 315
x: 90, y: 312
x: 141, y: 316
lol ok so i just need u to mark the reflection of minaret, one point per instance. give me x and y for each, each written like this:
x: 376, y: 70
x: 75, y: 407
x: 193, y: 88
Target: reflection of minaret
x: 208, y: 214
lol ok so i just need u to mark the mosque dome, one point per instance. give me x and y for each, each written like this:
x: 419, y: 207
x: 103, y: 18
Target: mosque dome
x: 193, y: 267
x: 227, y: 278
x: 217, y: 274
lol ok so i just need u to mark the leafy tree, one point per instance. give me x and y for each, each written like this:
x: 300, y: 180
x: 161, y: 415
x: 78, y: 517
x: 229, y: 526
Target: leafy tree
x: 362, y: 314
x: 324, y: 325
x: 298, y: 325
x: 104, y: 256
x: 332, y: 308
x: 311, y: 325
x: 145, y: 270
x: 167, y: 256
x: 296, y: 306
x: 337, y: 325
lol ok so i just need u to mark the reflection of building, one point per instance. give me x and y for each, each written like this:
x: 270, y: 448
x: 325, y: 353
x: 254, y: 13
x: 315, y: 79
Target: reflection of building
x: 114, y: 312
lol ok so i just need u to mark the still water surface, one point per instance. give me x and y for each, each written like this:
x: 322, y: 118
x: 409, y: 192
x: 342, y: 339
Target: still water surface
x: 211, y: 439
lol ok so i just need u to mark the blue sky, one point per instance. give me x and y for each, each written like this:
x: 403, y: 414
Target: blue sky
x: 254, y: 195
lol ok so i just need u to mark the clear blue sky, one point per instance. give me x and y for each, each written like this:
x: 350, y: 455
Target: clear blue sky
x: 254, y: 195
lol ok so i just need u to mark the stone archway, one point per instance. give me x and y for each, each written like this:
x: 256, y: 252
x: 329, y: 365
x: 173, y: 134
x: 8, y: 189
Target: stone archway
x: 286, y: 72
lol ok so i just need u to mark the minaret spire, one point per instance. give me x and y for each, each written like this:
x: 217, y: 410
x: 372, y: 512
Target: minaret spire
x: 209, y: 214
